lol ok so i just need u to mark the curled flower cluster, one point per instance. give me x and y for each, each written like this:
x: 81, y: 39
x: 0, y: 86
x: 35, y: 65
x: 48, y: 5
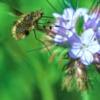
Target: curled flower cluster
x: 84, y: 47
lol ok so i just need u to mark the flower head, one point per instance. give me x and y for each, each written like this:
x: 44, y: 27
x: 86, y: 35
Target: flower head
x: 86, y: 48
x: 64, y: 27
x: 82, y: 46
x: 93, y: 21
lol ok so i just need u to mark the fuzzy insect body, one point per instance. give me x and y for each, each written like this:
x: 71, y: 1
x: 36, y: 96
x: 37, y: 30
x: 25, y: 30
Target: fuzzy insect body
x: 25, y: 24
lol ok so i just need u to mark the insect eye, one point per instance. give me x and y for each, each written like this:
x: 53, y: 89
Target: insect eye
x: 26, y: 33
x: 41, y: 13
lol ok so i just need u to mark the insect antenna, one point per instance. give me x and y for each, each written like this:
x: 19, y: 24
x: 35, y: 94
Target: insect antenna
x: 15, y: 11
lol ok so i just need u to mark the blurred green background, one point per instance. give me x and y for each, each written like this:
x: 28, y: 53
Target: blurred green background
x: 30, y: 75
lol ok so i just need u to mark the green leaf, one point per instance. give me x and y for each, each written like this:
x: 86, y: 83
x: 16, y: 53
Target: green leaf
x: 79, y: 25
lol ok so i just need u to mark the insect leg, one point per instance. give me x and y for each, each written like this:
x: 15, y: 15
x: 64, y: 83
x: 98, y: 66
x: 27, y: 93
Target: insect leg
x: 41, y: 42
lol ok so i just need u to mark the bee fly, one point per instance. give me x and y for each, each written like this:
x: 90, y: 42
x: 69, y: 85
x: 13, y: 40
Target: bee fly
x: 29, y: 22
x: 25, y: 24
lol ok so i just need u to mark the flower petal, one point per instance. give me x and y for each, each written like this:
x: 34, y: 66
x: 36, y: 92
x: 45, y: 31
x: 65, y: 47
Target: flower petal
x: 72, y: 55
x: 79, y: 12
x: 94, y: 47
x: 60, y: 39
x: 56, y: 15
x: 69, y: 33
x: 98, y: 33
x: 86, y: 58
x: 88, y: 36
x: 68, y: 14
x: 76, y: 50
x: 74, y: 38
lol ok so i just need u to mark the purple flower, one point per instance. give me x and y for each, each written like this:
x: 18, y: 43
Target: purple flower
x: 93, y: 21
x: 86, y: 48
x: 64, y: 27
x: 97, y: 58
x: 60, y: 39
x: 83, y: 47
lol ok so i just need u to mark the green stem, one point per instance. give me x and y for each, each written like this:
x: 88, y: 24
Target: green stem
x: 85, y: 96
x: 47, y: 92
